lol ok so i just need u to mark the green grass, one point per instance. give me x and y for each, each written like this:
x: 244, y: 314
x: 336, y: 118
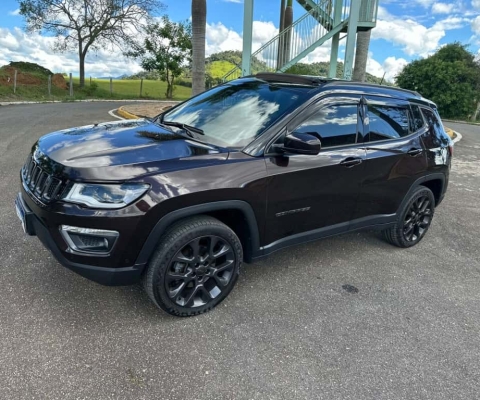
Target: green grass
x: 130, y: 89
x: 31, y: 93
x: 122, y: 89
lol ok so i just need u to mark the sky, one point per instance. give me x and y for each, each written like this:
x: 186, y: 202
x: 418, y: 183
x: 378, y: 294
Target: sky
x: 406, y: 30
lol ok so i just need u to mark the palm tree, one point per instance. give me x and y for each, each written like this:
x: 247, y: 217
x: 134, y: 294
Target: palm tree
x: 361, y: 55
x: 280, y: 30
x: 199, y: 22
x: 287, y: 22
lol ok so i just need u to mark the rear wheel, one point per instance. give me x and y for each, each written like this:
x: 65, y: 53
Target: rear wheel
x: 414, y: 219
x: 195, y: 266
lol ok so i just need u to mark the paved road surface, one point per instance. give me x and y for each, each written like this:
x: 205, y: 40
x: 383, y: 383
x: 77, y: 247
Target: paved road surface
x: 287, y: 331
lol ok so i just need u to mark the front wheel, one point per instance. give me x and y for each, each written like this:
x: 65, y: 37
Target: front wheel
x: 195, y: 266
x: 414, y: 219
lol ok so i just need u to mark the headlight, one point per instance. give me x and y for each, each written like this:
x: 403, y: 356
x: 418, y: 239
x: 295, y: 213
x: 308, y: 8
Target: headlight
x: 105, y: 196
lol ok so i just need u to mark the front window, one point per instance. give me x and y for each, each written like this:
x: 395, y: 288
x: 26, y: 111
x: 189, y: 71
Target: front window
x: 234, y: 114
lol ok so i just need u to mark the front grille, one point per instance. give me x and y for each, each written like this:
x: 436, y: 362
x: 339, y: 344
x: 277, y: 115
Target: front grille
x: 41, y: 184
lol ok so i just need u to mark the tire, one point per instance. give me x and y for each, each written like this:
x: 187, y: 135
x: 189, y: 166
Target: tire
x: 414, y: 219
x: 194, y: 267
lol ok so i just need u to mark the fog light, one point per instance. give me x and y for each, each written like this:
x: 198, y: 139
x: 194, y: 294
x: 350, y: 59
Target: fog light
x: 87, y: 240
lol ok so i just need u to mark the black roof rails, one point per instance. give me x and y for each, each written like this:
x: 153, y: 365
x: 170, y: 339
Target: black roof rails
x: 290, y: 78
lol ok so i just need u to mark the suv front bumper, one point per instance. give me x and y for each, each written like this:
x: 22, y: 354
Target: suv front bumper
x: 33, y: 226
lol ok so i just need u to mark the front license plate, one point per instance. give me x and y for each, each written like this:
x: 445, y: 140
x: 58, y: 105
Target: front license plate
x: 20, y: 212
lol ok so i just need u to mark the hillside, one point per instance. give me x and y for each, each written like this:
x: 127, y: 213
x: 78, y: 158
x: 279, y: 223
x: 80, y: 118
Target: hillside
x: 32, y: 82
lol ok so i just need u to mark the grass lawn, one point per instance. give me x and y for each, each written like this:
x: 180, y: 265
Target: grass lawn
x: 122, y: 89
x: 130, y: 89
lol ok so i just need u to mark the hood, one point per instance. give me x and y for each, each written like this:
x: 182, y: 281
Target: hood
x: 109, y: 150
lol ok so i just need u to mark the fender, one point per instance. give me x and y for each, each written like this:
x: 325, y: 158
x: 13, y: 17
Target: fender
x: 152, y: 240
x: 418, y: 182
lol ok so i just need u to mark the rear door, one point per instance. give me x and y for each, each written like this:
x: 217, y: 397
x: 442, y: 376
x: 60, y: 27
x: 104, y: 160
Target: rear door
x: 308, y: 192
x: 395, y: 156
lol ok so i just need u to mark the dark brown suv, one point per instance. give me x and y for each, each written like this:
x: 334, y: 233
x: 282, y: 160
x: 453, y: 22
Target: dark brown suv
x: 234, y: 174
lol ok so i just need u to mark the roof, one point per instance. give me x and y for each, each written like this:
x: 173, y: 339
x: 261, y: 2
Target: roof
x: 339, y: 84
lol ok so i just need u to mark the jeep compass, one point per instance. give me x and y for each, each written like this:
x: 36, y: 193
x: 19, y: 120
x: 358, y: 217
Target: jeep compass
x: 249, y: 167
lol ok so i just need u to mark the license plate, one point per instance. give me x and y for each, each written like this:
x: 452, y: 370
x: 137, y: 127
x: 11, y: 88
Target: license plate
x: 20, y: 212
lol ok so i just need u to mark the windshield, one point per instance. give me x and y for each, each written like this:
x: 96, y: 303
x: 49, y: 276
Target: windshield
x: 233, y: 115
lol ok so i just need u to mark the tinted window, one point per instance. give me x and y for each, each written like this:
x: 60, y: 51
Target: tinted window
x: 436, y: 136
x: 416, y: 122
x: 235, y: 114
x: 335, y: 125
x: 387, y: 122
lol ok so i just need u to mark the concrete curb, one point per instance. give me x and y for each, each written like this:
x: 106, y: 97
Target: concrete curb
x: 125, y: 114
x: 457, y: 137
x: 460, y: 122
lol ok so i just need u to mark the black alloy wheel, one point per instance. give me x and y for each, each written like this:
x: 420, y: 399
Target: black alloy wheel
x: 195, y: 266
x: 200, y: 271
x: 414, y: 219
x: 417, y: 219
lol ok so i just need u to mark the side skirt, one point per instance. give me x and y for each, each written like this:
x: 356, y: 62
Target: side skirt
x: 376, y: 222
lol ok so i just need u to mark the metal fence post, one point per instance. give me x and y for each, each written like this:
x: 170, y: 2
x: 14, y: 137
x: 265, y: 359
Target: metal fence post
x: 111, y: 87
x: 15, y: 82
x: 71, y: 85
x: 49, y: 85
x: 141, y: 87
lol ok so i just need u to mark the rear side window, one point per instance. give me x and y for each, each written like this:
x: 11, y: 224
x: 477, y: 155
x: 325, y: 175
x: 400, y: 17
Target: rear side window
x: 334, y: 125
x: 436, y: 136
x: 387, y: 122
x: 416, y: 122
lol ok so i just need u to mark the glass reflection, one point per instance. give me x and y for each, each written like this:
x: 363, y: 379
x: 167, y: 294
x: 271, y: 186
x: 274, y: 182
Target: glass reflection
x: 234, y: 114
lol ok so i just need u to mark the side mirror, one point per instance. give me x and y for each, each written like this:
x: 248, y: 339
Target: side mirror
x: 301, y: 143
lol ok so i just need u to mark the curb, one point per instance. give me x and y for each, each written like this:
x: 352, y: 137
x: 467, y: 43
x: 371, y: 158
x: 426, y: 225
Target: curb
x: 125, y: 114
x: 461, y: 122
x: 457, y: 137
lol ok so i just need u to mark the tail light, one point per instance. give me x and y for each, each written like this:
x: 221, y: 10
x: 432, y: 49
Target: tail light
x: 450, y: 149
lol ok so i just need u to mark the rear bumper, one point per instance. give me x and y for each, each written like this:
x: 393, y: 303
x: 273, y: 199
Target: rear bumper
x: 103, y: 275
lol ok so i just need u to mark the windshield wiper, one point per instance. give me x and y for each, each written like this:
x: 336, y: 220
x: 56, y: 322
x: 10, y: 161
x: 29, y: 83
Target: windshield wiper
x: 191, y: 130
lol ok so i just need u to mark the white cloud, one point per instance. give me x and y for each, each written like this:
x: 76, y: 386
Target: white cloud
x: 16, y: 45
x: 414, y: 38
x: 15, y: 12
x: 233, y: 1
x: 442, y: 8
x: 476, y: 3
x: 390, y: 67
x: 475, y: 24
x: 393, y: 66
x: 425, y: 3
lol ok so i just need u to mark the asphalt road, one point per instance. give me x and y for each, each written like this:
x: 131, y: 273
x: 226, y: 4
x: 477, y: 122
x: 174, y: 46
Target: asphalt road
x: 288, y: 330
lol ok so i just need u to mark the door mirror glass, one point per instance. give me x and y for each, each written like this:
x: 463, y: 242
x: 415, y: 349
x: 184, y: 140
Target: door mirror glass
x: 301, y: 143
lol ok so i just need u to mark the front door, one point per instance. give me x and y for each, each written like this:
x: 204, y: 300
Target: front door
x: 310, y: 192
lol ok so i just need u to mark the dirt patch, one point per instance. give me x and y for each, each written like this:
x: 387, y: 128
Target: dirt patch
x: 59, y: 81
x: 8, y: 74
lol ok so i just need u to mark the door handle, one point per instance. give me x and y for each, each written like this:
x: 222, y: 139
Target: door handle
x: 414, y: 152
x: 351, y: 162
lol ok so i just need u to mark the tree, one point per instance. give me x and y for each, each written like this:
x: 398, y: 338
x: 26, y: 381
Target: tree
x: 87, y: 24
x: 199, y: 22
x: 361, y: 55
x: 167, y: 47
x: 361, y: 49
x: 450, y: 77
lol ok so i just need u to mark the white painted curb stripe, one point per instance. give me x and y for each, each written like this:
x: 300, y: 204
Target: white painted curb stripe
x: 112, y: 113
x: 458, y: 137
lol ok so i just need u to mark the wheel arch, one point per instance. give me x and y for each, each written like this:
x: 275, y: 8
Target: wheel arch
x: 436, y: 184
x: 236, y: 214
x: 435, y: 180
